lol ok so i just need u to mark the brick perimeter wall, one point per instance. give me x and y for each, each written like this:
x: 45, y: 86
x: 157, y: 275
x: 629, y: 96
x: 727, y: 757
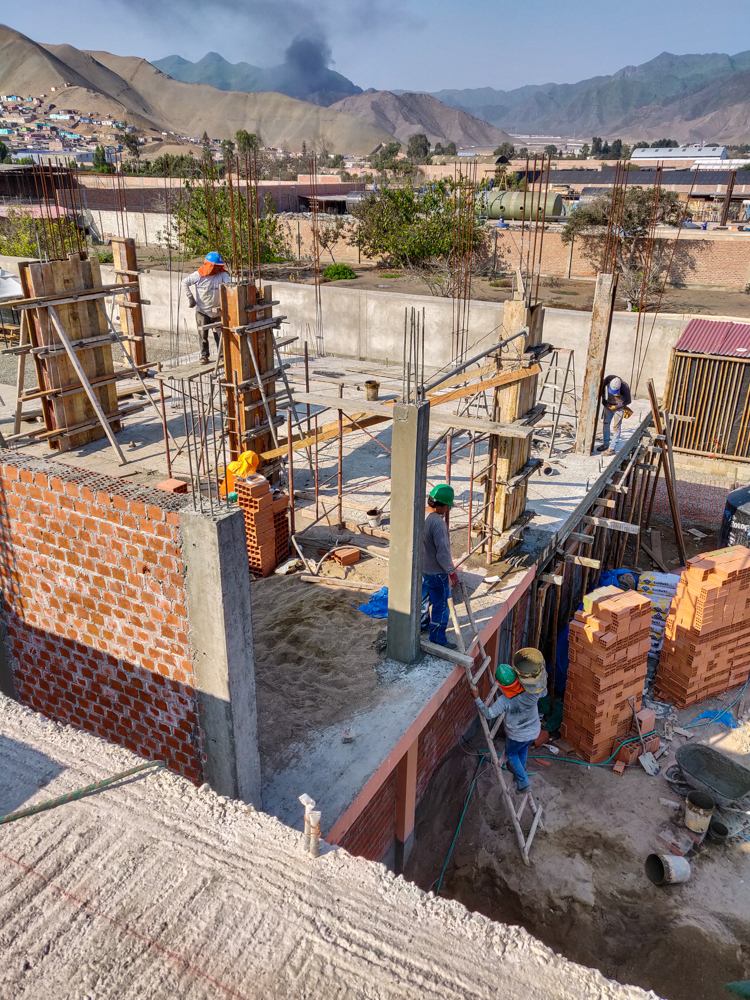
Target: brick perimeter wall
x: 374, y: 830
x: 95, y: 608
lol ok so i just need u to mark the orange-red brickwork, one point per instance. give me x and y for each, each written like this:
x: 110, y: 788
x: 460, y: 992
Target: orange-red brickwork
x: 707, y: 636
x: 95, y: 608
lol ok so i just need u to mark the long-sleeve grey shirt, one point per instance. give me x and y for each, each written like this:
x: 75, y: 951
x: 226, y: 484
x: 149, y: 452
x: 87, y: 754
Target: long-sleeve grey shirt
x: 437, y: 545
x: 206, y: 290
x: 521, y: 715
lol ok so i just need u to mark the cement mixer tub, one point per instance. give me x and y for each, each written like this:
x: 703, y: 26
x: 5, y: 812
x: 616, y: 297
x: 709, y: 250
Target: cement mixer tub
x: 711, y: 771
x: 516, y: 205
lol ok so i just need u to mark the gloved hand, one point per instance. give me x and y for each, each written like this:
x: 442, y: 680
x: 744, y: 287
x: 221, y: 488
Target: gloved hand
x: 454, y: 579
x: 191, y: 301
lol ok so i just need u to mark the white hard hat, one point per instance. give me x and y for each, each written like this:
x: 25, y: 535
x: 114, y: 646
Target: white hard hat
x: 614, y: 385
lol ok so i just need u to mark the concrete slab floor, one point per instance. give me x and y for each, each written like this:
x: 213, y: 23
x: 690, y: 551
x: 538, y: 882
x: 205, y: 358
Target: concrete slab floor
x: 153, y: 888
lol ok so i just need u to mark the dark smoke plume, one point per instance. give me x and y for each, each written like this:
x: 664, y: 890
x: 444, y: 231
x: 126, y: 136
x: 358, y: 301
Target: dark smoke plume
x: 306, y: 63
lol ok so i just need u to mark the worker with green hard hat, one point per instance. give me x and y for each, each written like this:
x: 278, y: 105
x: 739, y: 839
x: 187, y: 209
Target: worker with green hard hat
x: 521, y: 687
x: 439, y: 573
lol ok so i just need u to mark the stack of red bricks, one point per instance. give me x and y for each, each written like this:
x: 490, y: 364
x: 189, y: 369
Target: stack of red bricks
x: 609, y: 644
x: 707, y: 636
x: 266, y: 524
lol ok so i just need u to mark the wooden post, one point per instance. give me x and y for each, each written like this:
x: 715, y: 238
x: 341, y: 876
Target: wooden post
x: 131, y: 312
x: 596, y: 359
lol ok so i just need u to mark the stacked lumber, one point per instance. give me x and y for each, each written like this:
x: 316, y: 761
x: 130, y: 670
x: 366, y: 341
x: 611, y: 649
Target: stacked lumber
x: 608, y: 648
x: 266, y: 524
x: 707, y: 636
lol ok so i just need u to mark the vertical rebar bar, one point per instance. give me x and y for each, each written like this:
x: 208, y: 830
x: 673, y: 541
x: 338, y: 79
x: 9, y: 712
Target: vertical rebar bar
x: 290, y: 459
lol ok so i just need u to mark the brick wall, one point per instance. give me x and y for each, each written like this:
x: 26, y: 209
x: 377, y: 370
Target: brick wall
x: 443, y: 731
x: 374, y: 830
x: 94, y: 605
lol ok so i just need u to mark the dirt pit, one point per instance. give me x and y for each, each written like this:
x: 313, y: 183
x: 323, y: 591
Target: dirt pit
x: 315, y: 656
x: 586, y: 894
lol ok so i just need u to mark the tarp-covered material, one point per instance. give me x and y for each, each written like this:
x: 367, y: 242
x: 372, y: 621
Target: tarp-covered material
x: 10, y: 286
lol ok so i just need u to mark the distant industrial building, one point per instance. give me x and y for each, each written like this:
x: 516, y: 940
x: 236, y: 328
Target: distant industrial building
x: 688, y: 157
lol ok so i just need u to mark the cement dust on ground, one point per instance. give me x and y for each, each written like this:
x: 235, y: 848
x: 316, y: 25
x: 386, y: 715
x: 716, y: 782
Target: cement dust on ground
x: 315, y: 658
x: 586, y: 894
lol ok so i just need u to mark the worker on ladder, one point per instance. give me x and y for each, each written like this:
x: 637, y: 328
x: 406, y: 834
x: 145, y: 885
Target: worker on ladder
x: 439, y: 573
x: 522, y: 724
x: 203, y: 289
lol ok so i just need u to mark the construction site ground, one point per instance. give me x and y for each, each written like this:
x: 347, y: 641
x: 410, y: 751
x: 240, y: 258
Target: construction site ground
x: 586, y: 894
x: 154, y: 888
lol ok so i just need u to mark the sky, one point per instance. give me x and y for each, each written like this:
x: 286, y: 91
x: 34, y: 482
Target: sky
x: 423, y: 45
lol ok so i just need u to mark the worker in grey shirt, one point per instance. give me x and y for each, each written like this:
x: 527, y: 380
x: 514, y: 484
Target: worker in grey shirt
x: 438, y: 574
x: 203, y: 290
x: 522, y: 725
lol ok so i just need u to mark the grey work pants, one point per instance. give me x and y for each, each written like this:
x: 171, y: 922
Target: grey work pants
x: 204, y: 324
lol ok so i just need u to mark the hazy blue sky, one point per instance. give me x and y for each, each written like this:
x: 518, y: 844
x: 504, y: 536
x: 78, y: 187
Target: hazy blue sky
x: 412, y: 44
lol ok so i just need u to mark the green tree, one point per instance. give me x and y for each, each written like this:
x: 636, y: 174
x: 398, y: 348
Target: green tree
x: 506, y: 149
x: 450, y: 149
x: 418, y: 149
x: 387, y: 157
x: 591, y: 222
x: 551, y: 150
x: 410, y: 225
x: 248, y: 142
x: 101, y: 163
x: 523, y: 152
x: 4, y: 153
x: 21, y: 236
x: 131, y: 143
x: 227, y: 152
x: 596, y: 146
x: 203, y: 219
x: 585, y: 151
x: 616, y: 149
x: 438, y: 149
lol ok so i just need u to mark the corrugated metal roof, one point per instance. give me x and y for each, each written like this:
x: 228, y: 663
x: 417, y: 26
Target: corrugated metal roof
x: 710, y: 336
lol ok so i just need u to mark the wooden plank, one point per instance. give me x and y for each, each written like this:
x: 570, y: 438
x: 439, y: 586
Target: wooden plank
x: 58, y: 299
x: 330, y: 581
x: 86, y: 386
x: 503, y: 379
x: 485, y: 426
x: 608, y: 522
x: 581, y: 560
x: 131, y: 311
x: 596, y: 357
x: 554, y: 578
x: 451, y: 655
x: 656, y: 559
x: 579, y: 537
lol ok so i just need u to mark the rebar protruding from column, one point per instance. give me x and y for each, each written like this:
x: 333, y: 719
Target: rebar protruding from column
x: 314, y: 850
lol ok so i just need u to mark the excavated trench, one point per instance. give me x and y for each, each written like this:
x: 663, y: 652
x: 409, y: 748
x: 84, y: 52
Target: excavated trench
x: 586, y: 895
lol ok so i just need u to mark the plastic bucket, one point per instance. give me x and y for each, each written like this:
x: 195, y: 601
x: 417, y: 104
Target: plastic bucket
x: 699, y: 808
x: 667, y: 869
x: 529, y: 662
x: 373, y: 517
x: 371, y: 390
x: 718, y: 831
x: 534, y: 684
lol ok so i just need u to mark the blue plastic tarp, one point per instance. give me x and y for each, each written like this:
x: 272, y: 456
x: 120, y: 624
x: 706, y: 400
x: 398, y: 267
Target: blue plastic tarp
x: 377, y: 606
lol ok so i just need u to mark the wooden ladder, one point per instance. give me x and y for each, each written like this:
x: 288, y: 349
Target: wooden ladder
x: 527, y: 801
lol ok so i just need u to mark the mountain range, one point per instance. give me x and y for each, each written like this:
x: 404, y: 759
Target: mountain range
x: 689, y: 96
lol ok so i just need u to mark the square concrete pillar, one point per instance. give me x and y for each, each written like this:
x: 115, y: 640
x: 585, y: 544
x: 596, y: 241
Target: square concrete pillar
x: 411, y: 430
x: 217, y: 581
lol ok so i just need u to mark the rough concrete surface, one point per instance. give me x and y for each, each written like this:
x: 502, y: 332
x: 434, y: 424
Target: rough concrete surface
x: 158, y: 889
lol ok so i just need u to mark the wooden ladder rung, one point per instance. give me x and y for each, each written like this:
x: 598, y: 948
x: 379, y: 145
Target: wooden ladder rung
x: 485, y: 663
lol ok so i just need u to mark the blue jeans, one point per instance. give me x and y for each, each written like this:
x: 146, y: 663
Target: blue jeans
x: 611, y: 425
x: 436, y: 589
x: 516, y: 757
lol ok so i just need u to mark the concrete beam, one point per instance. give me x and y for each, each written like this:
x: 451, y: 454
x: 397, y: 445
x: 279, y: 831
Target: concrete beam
x: 217, y: 581
x: 411, y: 431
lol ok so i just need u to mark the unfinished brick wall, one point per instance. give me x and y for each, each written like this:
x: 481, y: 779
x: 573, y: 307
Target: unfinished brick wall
x: 374, y: 830
x: 95, y: 608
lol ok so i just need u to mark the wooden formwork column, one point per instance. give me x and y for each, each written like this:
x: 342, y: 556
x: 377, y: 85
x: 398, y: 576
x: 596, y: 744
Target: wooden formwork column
x: 131, y: 311
x: 510, y: 455
x: 248, y: 415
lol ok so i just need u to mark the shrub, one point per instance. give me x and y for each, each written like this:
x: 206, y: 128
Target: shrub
x: 339, y: 272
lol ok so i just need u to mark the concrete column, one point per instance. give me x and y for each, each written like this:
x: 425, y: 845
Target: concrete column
x: 406, y: 804
x: 217, y: 581
x: 411, y: 429
x: 601, y: 324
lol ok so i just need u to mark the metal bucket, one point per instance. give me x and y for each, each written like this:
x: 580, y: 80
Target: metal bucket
x: 373, y: 517
x: 699, y: 808
x: 371, y: 390
x: 534, y: 685
x: 528, y: 662
x: 718, y: 831
x: 667, y: 869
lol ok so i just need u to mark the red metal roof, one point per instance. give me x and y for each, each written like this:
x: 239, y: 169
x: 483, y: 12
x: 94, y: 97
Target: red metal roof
x: 710, y: 336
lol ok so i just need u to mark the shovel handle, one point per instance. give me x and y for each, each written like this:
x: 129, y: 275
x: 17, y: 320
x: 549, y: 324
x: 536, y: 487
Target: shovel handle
x: 631, y: 701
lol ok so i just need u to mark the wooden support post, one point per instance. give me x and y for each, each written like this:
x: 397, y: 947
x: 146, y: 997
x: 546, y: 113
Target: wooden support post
x: 131, y: 312
x: 666, y: 465
x: 596, y: 358
x: 406, y: 804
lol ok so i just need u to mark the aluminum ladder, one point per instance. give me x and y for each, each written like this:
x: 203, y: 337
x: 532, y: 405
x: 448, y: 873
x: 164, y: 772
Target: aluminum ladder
x: 559, y: 391
x: 473, y: 677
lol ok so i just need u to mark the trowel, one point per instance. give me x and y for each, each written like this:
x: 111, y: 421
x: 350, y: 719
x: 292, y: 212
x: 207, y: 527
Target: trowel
x: 646, y: 760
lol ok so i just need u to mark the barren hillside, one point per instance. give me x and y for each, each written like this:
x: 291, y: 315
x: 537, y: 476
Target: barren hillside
x: 404, y: 115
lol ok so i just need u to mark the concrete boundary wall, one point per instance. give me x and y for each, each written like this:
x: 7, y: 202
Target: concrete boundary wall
x: 369, y: 324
